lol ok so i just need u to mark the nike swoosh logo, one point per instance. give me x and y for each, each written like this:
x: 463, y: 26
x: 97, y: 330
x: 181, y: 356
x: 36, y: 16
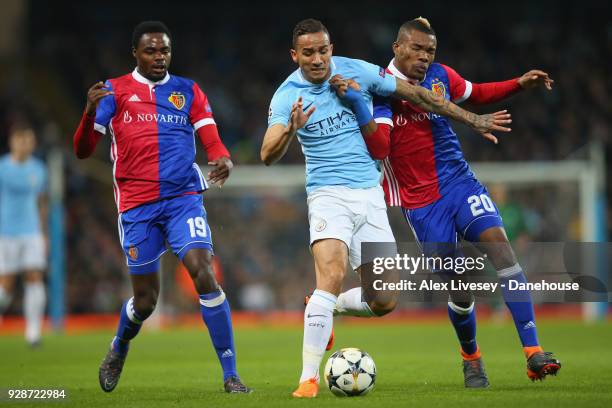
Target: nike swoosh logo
x: 315, y: 315
x: 305, y: 108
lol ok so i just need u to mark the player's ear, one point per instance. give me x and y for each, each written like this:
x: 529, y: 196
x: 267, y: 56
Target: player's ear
x: 294, y: 55
x: 331, y: 48
x: 134, y: 52
x: 395, y: 47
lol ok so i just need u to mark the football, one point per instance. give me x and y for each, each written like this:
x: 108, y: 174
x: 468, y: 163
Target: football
x: 350, y: 372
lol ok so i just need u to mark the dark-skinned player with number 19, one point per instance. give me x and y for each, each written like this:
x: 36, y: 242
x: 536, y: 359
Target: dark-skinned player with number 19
x: 152, y: 118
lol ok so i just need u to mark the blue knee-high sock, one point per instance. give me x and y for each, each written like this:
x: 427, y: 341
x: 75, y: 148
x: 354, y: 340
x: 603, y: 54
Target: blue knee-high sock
x: 464, y: 322
x: 129, y: 326
x: 520, y: 305
x: 217, y: 317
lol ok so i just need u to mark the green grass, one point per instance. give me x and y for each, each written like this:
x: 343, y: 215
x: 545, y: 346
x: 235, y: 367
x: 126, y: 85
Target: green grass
x: 418, y: 365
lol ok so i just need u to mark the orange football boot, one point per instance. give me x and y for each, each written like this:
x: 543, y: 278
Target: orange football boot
x: 307, y: 389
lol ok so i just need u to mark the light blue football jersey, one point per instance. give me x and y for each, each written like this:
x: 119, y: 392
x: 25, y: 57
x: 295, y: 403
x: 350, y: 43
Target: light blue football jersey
x: 20, y: 186
x: 333, y: 146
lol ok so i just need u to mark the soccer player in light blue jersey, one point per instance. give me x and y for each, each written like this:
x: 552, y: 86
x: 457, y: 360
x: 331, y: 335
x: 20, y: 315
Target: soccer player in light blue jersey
x: 22, y: 242
x: 345, y: 201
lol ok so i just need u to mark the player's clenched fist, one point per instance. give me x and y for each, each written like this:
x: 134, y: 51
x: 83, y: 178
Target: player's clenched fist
x: 94, y: 96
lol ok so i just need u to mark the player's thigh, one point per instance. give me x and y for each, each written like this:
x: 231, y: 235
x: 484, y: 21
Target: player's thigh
x: 142, y: 238
x: 433, y: 227
x: 34, y: 254
x: 373, y: 237
x: 187, y: 225
x: 476, y: 211
x: 11, y: 255
x: 331, y: 216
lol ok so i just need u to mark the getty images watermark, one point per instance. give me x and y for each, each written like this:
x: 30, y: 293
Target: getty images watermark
x: 458, y: 265
x: 554, y: 271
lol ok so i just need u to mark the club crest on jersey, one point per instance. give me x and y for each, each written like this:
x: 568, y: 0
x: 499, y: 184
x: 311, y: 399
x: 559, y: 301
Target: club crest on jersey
x: 133, y: 252
x: 177, y: 99
x: 438, y: 88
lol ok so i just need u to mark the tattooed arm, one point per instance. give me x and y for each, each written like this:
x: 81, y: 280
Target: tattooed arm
x: 428, y: 101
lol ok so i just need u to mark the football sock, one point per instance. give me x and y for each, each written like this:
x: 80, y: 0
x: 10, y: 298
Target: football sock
x: 520, y: 305
x: 5, y: 299
x: 218, y: 318
x: 130, y: 323
x: 318, y: 322
x: 34, y: 301
x: 529, y: 351
x: 464, y: 322
x: 350, y: 304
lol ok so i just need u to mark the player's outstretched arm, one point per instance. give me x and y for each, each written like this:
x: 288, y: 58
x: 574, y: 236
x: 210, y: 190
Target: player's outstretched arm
x: 491, y: 92
x: 277, y: 138
x: 86, y: 138
x: 428, y: 101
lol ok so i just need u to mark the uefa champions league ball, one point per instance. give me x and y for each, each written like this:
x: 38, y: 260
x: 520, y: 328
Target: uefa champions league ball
x: 350, y: 372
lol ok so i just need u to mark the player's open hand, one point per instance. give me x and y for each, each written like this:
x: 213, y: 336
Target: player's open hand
x: 95, y: 95
x: 299, y: 117
x: 534, y: 79
x: 221, y: 171
x: 485, y: 124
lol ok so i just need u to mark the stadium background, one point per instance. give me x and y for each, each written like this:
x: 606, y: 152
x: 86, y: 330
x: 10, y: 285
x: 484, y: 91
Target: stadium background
x: 52, y: 52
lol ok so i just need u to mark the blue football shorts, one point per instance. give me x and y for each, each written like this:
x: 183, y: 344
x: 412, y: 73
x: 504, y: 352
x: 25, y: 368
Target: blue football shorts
x: 144, y: 231
x: 464, y: 211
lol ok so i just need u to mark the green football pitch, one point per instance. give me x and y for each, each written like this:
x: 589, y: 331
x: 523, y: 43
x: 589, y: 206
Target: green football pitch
x: 418, y: 365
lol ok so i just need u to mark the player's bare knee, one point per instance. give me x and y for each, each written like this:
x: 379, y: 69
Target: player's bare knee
x: 144, y: 304
x: 382, y: 308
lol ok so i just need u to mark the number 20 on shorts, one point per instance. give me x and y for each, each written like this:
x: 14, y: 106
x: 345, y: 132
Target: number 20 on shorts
x: 480, y: 204
x: 197, y: 227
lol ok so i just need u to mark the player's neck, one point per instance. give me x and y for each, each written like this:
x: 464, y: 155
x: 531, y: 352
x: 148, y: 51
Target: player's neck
x: 149, y: 78
x: 19, y: 158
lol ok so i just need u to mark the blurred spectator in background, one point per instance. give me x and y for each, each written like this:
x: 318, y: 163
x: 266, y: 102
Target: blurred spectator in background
x: 23, y: 249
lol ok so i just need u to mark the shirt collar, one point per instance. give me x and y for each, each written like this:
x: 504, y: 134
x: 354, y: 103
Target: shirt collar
x: 138, y: 77
x: 396, y: 72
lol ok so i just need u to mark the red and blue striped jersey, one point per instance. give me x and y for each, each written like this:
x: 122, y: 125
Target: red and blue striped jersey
x: 152, y: 127
x: 425, y: 155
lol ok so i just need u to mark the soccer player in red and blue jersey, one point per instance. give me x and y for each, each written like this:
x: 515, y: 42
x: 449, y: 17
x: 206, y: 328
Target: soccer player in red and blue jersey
x: 151, y: 117
x: 426, y: 174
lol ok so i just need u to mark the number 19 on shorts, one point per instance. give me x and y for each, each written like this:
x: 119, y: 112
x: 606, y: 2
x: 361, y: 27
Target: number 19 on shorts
x: 197, y: 227
x: 480, y: 204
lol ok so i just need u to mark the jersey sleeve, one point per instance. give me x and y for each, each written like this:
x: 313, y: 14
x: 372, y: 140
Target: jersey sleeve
x: 200, y: 113
x: 105, y: 111
x: 375, y: 79
x: 382, y: 110
x: 460, y: 89
x: 280, y: 109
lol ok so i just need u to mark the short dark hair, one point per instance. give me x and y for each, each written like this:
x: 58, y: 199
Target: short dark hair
x: 308, y: 26
x: 419, y: 24
x: 148, y: 27
x: 19, y: 123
